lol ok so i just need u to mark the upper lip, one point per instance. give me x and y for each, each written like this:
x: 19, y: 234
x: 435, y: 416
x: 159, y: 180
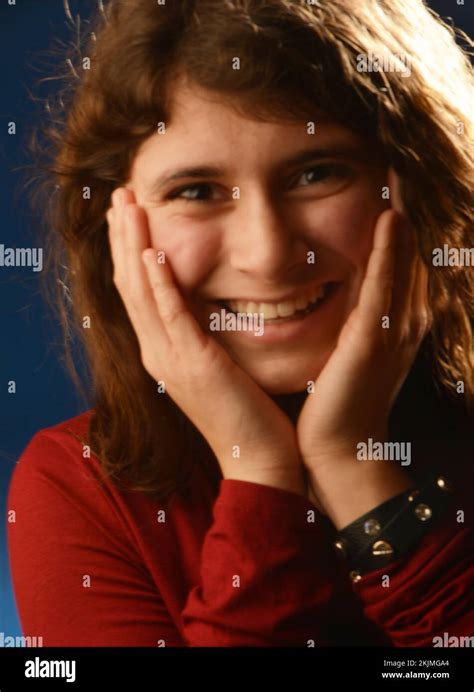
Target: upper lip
x: 281, y: 299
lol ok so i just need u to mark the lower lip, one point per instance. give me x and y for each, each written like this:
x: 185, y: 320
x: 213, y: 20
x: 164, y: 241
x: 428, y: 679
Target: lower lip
x: 276, y: 332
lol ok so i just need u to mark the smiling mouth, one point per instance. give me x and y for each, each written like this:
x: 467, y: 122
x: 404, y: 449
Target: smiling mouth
x: 284, y: 311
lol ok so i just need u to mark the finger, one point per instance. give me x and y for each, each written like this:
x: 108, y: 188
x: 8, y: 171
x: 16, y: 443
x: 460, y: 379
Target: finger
x: 420, y: 308
x: 122, y: 196
x: 128, y: 233
x: 114, y: 243
x: 395, y: 191
x: 406, y: 269
x: 406, y: 258
x: 135, y: 239
x: 137, y: 292
x: 376, y: 291
x: 181, y: 326
x: 115, y: 220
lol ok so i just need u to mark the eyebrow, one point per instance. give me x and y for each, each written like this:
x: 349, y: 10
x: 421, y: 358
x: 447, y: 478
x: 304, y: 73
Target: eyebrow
x: 304, y: 156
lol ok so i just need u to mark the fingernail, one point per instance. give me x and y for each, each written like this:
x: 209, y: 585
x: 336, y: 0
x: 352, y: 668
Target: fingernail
x: 118, y: 197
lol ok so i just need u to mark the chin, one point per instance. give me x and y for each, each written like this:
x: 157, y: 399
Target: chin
x: 289, y: 376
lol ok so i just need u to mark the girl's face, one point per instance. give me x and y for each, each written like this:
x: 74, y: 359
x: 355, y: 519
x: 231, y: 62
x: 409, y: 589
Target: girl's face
x: 266, y: 217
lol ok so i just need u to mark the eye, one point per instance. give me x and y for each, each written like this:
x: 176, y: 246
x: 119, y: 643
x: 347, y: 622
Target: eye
x: 325, y: 173
x: 199, y: 193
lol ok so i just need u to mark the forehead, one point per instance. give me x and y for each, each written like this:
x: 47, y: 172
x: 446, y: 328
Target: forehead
x: 206, y: 125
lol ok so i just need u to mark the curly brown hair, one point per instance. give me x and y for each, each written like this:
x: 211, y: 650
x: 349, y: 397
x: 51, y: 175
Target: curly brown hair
x: 296, y: 56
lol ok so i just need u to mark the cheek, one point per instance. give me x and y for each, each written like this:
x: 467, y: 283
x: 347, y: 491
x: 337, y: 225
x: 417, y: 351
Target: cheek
x: 190, y: 250
x: 346, y: 223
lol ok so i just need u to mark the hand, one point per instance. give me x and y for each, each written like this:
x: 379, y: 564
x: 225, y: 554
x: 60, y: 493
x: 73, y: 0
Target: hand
x: 356, y: 389
x: 222, y: 401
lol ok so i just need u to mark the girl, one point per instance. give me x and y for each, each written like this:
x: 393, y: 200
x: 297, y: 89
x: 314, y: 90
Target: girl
x: 309, y: 484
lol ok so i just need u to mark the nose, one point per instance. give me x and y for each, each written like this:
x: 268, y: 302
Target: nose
x: 263, y: 242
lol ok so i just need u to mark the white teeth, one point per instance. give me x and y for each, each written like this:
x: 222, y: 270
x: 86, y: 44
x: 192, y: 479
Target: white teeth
x: 286, y: 308
x: 269, y: 311
x: 252, y: 308
x: 301, y: 302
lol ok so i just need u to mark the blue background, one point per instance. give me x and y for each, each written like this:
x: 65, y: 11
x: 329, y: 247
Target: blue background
x: 31, y: 341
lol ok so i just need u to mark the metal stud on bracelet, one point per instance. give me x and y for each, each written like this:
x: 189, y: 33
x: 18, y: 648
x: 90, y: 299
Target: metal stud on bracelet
x: 397, y: 524
x: 444, y: 484
x: 372, y: 527
x: 382, y: 548
x: 339, y: 545
x: 423, y: 512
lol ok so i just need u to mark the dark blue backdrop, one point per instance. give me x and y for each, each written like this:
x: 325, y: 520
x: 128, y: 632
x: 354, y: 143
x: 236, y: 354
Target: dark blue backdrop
x: 30, y: 351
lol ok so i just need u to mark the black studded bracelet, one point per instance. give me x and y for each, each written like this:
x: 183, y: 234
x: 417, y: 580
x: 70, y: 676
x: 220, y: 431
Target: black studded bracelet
x: 394, y: 528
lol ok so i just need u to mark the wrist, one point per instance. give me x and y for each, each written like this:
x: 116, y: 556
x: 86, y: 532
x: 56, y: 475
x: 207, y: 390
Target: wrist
x: 343, y: 448
x: 288, y: 477
x: 348, y: 488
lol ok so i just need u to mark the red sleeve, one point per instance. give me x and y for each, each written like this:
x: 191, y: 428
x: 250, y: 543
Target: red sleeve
x: 430, y: 591
x: 77, y: 578
x: 80, y: 581
x: 264, y: 571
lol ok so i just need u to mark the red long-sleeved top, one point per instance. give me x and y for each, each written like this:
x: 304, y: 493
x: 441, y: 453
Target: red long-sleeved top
x: 241, y: 565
